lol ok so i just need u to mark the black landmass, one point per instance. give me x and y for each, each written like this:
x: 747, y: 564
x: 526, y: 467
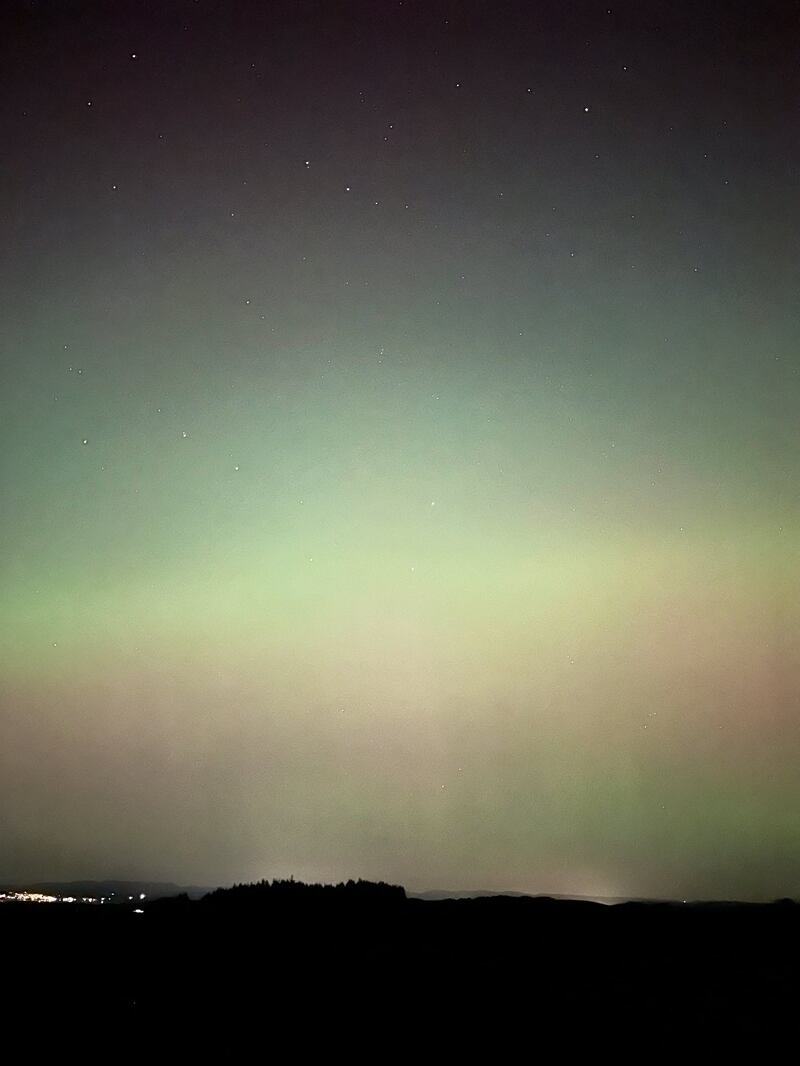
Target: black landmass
x: 365, y: 970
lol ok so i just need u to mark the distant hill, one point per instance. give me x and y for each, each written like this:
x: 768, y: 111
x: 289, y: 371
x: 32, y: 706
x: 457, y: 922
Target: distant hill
x: 460, y: 893
x: 443, y: 894
x: 471, y: 893
x: 117, y: 889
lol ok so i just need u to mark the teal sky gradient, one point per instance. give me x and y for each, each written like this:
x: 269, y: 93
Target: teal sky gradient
x: 403, y: 487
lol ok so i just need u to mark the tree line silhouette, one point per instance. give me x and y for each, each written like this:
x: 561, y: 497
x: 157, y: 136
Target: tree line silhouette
x: 288, y: 891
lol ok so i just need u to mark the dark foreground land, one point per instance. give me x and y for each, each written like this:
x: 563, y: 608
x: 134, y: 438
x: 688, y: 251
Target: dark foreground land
x: 382, y: 977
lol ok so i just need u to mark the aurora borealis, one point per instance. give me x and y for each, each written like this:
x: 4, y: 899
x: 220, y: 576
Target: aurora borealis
x: 400, y: 444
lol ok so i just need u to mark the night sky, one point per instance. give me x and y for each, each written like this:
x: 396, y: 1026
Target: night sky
x: 400, y: 444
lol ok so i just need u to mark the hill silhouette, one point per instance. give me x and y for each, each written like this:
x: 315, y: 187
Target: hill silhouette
x: 289, y: 891
x: 368, y: 970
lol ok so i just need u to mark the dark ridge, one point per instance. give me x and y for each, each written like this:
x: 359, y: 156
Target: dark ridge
x: 364, y: 968
x: 260, y: 893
